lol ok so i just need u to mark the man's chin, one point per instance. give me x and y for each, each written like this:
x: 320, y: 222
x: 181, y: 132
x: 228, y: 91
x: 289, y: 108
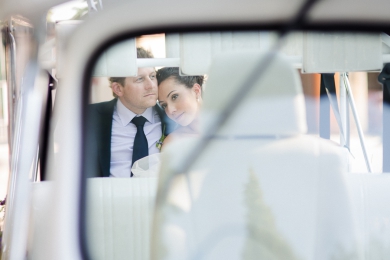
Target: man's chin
x: 151, y: 103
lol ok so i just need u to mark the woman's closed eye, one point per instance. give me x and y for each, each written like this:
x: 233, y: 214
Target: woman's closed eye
x: 164, y: 106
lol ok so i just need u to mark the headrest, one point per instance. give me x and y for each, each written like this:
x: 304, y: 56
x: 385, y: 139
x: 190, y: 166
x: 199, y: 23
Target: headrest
x: 120, y: 60
x: 274, y: 106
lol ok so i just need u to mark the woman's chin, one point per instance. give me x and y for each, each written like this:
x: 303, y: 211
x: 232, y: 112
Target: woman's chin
x: 183, y: 122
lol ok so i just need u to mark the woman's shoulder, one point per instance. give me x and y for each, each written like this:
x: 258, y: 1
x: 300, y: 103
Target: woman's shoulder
x: 181, y: 132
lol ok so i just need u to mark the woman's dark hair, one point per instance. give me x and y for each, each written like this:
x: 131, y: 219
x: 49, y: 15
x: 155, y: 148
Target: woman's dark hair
x: 188, y: 81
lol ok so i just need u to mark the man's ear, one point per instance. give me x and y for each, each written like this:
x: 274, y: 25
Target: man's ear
x: 117, y: 89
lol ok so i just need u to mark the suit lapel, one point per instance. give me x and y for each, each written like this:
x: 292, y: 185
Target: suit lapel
x: 161, y: 115
x: 106, y: 112
x: 165, y: 121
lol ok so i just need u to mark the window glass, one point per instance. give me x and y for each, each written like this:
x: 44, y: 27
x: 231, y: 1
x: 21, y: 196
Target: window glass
x: 220, y: 145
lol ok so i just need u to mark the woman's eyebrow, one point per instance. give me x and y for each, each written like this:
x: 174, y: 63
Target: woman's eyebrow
x: 171, y: 92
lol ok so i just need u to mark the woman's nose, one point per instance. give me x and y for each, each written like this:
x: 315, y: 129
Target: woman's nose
x: 171, y: 110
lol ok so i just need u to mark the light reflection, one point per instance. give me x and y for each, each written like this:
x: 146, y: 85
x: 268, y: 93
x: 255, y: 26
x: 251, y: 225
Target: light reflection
x: 72, y: 10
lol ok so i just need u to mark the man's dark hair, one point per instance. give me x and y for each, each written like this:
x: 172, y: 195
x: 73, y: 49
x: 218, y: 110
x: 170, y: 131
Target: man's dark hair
x: 173, y: 72
x: 141, y: 54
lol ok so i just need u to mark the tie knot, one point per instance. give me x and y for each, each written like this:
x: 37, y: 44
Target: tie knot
x: 139, y: 121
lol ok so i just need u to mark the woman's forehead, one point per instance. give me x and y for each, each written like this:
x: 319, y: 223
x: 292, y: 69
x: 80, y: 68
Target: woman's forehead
x: 165, y: 87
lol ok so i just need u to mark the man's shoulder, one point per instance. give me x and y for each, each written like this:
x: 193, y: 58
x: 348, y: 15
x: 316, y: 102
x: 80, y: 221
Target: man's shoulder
x: 103, y: 107
x: 100, y: 116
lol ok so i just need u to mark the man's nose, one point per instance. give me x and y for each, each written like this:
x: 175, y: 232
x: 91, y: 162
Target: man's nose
x: 149, y: 83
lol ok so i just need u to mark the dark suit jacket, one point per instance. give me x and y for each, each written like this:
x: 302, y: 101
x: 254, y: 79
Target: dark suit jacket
x: 98, y: 145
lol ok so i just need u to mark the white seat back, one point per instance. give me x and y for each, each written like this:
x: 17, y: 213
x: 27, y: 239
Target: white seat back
x: 120, y: 60
x: 275, y: 106
x: 119, y: 217
x: 370, y: 194
x: 261, y: 189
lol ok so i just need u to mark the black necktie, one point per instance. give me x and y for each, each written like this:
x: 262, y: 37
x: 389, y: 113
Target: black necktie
x: 140, y: 148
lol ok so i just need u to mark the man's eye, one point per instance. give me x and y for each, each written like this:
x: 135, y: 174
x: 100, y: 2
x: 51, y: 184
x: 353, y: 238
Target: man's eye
x: 139, y: 79
x: 152, y: 76
x: 174, y: 96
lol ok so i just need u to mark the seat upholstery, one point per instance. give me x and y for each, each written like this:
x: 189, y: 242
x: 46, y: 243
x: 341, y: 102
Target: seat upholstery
x: 119, y: 216
x: 261, y: 189
x: 369, y: 196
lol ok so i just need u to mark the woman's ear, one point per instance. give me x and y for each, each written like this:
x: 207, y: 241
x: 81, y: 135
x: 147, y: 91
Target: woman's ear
x: 197, y: 89
x: 117, y: 89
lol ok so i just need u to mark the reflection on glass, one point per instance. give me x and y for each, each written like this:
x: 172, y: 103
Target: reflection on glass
x: 263, y: 183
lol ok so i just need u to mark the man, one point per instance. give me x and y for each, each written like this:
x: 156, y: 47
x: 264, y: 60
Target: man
x: 126, y: 128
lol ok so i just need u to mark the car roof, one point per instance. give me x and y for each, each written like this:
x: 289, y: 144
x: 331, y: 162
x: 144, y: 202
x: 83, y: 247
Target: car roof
x: 266, y: 11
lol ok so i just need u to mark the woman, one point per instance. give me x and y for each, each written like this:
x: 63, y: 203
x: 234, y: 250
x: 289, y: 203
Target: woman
x: 181, y: 98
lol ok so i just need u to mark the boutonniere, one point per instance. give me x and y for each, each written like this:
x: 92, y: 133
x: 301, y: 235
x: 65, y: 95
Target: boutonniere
x: 160, y: 142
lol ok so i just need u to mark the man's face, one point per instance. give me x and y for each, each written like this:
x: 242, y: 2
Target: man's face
x: 140, y: 92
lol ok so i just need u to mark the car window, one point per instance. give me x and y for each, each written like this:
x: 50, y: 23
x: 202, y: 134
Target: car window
x: 233, y: 143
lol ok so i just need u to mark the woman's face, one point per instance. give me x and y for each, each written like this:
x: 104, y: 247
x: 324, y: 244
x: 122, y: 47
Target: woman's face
x: 179, y: 102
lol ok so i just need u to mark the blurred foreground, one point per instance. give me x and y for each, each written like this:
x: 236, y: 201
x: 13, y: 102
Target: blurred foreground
x: 4, y: 164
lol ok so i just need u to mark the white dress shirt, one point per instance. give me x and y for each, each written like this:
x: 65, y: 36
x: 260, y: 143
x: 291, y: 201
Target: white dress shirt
x: 123, y: 134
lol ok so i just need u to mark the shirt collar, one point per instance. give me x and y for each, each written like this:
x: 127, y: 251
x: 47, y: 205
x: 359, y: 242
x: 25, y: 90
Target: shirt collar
x: 126, y: 115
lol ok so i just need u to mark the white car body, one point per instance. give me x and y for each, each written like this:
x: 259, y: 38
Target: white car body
x: 58, y: 234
